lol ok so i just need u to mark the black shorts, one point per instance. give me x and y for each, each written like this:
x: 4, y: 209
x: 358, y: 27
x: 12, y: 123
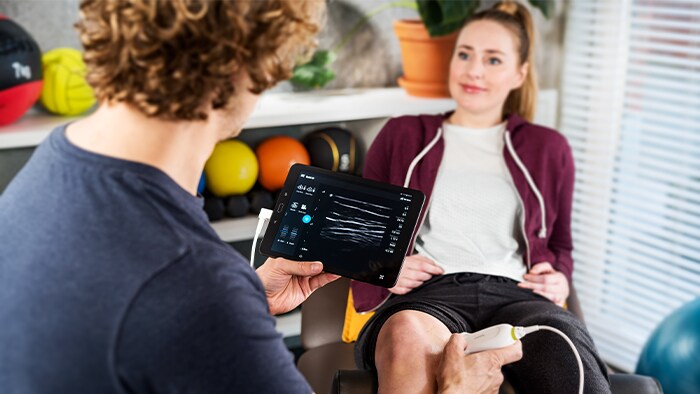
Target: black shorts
x: 463, y: 302
x: 471, y: 302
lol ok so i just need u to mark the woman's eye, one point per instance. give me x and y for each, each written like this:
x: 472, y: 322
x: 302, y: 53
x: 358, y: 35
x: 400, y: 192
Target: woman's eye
x: 463, y: 56
x: 494, y: 61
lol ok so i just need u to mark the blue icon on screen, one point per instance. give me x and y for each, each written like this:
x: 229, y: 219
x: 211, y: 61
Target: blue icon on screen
x: 306, y: 218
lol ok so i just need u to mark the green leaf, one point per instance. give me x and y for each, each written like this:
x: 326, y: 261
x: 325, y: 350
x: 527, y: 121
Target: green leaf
x: 323, y: 77
x: 430, y: 12
x: 322, y: 58
x: 546, y: 6
x: 303, y: 73
x: 316, y: 72
x: 442, y: 17
x: 312, y: 76
x: 458, y: 11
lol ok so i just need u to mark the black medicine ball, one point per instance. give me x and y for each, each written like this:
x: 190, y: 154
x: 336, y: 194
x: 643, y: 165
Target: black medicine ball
x: 335, y: 149
x: 20, y: 71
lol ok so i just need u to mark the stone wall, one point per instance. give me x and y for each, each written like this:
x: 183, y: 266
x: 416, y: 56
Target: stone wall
x: 371, y: 59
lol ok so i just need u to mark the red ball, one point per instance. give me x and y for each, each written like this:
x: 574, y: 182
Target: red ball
x: 275, y: 156
x: 20, y: 71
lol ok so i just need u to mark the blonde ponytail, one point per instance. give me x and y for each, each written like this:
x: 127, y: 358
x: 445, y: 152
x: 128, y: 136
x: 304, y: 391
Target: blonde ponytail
x: 515, y: 17
x: 509, y: 7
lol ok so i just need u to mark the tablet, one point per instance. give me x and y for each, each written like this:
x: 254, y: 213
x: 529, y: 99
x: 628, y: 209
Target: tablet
x: 358, y: 228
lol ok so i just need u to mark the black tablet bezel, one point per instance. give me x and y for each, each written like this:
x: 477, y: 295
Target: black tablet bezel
x: 387, y: 276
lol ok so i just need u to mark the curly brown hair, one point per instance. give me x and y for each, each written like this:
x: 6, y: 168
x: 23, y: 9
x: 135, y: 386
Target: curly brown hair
x: 171, y: 59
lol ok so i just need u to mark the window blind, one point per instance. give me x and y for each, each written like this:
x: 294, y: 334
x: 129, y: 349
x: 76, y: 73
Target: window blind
x: 631, y: 112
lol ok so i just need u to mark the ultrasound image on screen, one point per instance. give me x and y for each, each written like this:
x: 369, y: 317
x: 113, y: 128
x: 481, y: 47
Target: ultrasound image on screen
x: 352, y: 229
x: 359, y: 223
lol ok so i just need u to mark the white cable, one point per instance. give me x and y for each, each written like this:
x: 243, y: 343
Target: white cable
x: 264, y: 216
x: 520, y: 332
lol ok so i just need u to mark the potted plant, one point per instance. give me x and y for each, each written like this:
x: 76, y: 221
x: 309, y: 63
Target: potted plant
x: 426, y: 45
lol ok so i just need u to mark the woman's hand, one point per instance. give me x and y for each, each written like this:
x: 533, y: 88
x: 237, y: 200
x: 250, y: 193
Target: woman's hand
x: 544, y: 280
x: 416, y: 270
x: 289, y: 283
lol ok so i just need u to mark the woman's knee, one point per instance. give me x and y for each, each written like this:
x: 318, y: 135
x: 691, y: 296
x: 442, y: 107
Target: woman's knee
x: 407, y: 334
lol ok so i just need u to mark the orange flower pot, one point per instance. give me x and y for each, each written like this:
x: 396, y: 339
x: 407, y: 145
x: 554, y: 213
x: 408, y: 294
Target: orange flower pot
x: 426, y: 60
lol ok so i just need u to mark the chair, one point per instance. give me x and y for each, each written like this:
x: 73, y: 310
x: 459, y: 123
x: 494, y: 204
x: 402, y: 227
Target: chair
x: 328, y: 363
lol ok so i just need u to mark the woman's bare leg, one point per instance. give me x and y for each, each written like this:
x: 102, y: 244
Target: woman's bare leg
x: 408, y: 351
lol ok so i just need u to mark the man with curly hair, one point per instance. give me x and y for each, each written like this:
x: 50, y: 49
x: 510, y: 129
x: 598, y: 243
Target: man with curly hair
x: 111, y: 278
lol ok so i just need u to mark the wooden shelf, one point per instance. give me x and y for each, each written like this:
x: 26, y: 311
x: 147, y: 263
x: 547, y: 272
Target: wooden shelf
x: 273, y: 110
x: 30, y: 130
x: 282, y: 109
x: 285, y: 109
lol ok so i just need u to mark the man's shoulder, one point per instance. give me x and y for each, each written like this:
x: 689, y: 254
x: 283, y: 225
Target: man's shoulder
x: 204, y: 322
x: 196, y: 295
x: 207, y: 269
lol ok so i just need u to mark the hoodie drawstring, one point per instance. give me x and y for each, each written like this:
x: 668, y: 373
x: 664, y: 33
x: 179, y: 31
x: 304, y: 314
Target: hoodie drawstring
x: 420, y: 156
x: 543, y: 227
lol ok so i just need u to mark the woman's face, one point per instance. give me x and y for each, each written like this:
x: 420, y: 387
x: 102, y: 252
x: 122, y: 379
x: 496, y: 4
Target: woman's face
x: 485, y: 67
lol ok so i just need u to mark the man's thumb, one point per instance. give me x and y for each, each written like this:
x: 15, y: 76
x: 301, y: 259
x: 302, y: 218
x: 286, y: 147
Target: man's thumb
x: 299, y: 268
x: 457, y: 343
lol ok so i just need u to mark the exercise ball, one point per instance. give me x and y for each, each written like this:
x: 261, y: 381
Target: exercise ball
x: 260, y: 199
x: 65, y: 92
x: 214, y: 208
x: 672, y: 353
x: 335, y: 149
x: 237, y: 206
x: 20, y: 71
x: 276, y: 155
x: 232, y: 169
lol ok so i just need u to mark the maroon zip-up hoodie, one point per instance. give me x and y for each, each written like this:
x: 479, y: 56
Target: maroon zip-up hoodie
x: 538, y: 159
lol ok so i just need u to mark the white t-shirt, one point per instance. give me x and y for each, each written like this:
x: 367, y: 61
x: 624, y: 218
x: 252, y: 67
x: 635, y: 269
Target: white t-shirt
x: 474, y: 220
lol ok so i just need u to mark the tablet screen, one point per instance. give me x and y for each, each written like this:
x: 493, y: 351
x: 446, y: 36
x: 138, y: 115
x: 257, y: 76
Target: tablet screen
x: 357, y: 228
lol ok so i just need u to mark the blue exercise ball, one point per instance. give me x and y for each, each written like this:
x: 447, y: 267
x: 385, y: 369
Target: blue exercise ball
x: 672, y: 353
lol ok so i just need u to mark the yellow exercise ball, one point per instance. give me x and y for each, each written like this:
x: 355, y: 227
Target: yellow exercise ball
x: 65, y: 91
x: 232, y: 169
